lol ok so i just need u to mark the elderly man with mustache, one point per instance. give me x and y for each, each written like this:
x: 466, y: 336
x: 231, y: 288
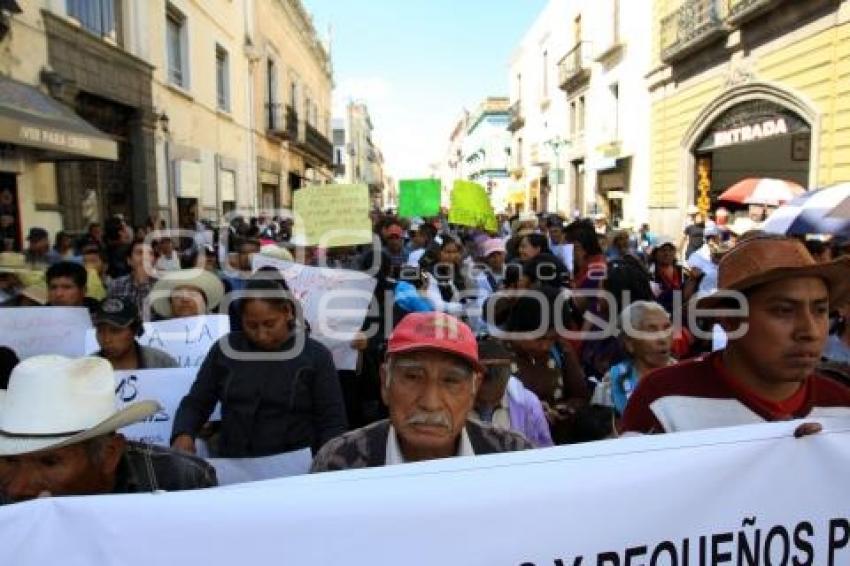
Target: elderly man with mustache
x: 429, y: 382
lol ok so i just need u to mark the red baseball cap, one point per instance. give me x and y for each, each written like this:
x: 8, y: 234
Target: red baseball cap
x: 422, y: 331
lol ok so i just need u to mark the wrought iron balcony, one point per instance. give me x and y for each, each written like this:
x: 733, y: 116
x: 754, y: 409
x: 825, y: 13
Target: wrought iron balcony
x: 282, y: 121
x: 517, y: 119
x: 318, y: 145
x: 695, y: 24
x: 574, y: 68
x: 741, y: 11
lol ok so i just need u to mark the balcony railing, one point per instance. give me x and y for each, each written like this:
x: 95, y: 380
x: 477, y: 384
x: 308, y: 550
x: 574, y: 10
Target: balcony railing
x: 574, y: 68
x: 318, y: 145
x: 741, y: 11
x: 517, y: 119
x: 695, y: 24
x: 282, y: 121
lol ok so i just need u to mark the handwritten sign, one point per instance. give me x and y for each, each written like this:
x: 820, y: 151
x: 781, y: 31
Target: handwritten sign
x: 32, y: 331
x: 334, y: 302
x: 332, y: 215
x: 165, y: 386
x: 187, y: 340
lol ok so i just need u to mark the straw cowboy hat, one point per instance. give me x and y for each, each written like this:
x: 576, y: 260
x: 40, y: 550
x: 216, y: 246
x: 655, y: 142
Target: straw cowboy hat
x: 765, y: 259
x: 54, y: 401
x: 16, y: 264
x: 201, y: 279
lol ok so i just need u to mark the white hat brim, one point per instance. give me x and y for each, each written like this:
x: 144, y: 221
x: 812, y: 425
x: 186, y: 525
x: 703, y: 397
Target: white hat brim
x: 16, y: 445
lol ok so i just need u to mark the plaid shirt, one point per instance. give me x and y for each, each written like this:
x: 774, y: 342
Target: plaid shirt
x: 126, y: 287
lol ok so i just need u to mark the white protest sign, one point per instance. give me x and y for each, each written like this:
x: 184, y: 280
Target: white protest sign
x: 334, y: 301
x: 166, y: 386
x: 32, y: 331
x: 747, y: 495
x: 187, y: 340
x: 232, y: 471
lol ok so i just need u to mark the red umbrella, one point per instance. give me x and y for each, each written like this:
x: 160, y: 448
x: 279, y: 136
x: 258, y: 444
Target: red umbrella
x: 762, y: 191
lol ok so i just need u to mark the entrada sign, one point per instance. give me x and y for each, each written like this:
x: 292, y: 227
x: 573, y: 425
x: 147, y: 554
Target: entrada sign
x: 751, y: 133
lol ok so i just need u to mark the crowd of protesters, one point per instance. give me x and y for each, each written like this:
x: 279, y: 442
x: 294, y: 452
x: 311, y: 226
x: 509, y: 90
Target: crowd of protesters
x: 546, y: 331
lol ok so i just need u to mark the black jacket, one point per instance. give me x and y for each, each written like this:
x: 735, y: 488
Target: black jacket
x: 267, y: 406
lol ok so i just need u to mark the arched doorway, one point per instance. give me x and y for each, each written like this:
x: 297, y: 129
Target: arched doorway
x: 757, y: 130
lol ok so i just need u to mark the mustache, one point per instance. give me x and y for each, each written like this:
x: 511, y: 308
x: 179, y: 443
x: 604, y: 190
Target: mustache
x: 430, y: 419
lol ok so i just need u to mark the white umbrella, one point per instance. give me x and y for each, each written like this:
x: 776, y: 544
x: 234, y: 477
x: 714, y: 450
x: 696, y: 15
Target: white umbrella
x: 811, y: 213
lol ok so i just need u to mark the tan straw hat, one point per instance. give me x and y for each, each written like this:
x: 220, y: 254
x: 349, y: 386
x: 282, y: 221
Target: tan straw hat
x: 201, y: 279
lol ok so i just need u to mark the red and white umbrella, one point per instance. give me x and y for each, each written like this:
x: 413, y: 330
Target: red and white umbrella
x: 762, y: 191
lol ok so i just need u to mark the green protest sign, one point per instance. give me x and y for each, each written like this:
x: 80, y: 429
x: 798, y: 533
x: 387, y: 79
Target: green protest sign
x: 419, y: 197
x: 470, y: 206
x: 332, y: 215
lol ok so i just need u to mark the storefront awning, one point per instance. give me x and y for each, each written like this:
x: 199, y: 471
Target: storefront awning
x: 30, y: 118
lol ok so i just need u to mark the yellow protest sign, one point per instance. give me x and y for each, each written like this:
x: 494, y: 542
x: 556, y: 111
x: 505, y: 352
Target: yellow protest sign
x: 332, y: 215
x: 470, y: 206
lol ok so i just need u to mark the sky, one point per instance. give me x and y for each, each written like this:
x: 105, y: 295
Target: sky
x: 418, y: 64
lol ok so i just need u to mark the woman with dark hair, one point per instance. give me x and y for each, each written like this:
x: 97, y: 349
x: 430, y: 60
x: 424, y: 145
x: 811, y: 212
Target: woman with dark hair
x: 532, y: 245
x: 278, y: 388
x: 446, y: 278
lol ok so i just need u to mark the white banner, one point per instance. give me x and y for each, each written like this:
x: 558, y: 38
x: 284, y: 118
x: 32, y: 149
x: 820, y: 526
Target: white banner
x: 187, y: 339
x: 32, y: 331
x: 166, y: 386
x: 709, y: 497
x: 335, y: 303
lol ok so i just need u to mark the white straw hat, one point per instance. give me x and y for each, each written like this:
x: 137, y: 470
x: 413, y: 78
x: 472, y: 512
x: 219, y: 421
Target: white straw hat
x: 54, y: 401
x: 208, y: 283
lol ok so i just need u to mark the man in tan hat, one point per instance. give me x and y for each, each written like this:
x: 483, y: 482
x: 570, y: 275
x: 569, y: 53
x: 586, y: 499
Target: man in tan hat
x: 58, y: 423
x: 767, y: 370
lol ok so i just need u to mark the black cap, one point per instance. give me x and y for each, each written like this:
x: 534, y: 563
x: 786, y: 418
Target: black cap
x: 116, y: 311
x: 37, y: 234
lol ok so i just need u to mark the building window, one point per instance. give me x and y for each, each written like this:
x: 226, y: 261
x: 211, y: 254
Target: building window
x: 176, y: 40
x: 96, y: 16
x: 271, y: 93
x: 222, y: 78
x: 573, y: 118
x: 615, y: 110
x: 545, y: 73
x: 581, y: 115
x: 293, y: 96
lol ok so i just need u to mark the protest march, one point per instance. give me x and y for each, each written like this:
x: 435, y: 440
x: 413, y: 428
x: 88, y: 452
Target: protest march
x: 246, y: 317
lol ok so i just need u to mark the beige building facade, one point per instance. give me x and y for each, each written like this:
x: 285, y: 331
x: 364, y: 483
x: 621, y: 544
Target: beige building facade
x: 158, y: 110
x: 291, y: 82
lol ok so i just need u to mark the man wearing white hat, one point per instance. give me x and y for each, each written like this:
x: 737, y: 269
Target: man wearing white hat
x: 58, y: 423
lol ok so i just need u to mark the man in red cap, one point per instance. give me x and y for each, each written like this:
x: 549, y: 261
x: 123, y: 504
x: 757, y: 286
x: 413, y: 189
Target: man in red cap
x: 767, y: 370
x: 429, y: 382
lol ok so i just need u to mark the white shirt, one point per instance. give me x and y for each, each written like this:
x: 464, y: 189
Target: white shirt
x: 414, y: 257
x: 394, y: 455
x: 501, y: 414
x: 165, y: 263
x: 701, y: 259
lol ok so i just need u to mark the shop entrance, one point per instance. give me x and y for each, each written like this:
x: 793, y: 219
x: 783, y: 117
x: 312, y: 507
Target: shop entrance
x: 10, y: 214
x: 756, y: 138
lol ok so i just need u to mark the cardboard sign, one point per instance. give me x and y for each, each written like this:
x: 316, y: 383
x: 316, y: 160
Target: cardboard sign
x: 419, y: 197
x: 470, y: 206
x: 332, y: 215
